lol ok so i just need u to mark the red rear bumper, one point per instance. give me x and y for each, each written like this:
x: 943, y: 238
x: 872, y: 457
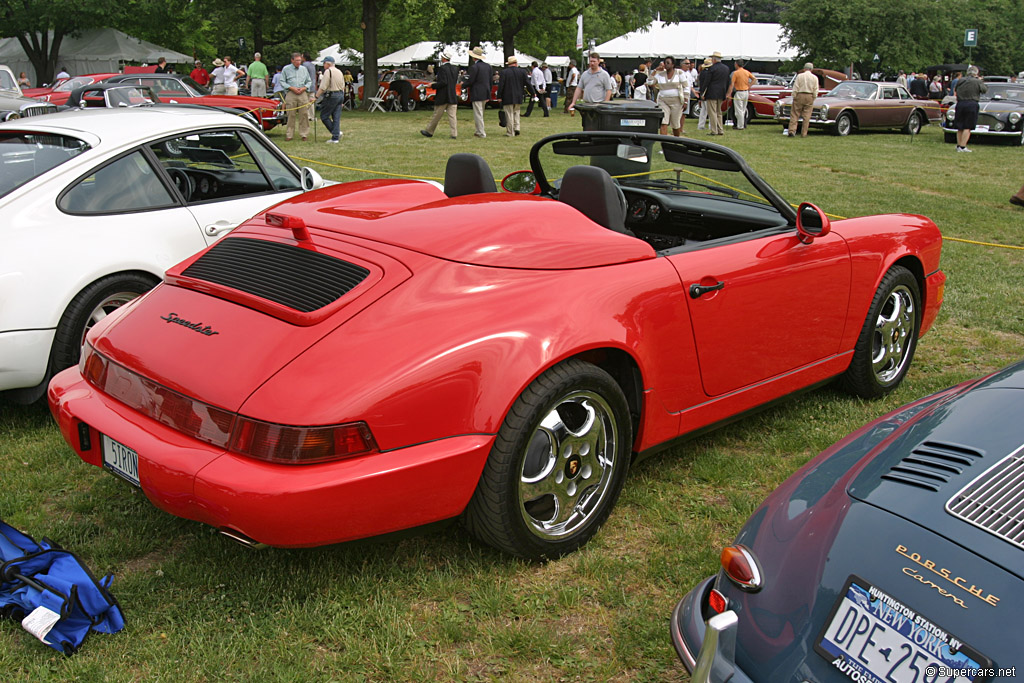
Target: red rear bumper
x: 279, y: 505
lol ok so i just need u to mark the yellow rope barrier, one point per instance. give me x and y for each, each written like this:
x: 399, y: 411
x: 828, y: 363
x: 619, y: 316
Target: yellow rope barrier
x: 366, y: 170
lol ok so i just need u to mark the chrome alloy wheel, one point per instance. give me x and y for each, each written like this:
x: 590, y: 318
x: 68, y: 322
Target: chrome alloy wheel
x: 105, y: 307
x: 894, y: 331
x: 568, y: 465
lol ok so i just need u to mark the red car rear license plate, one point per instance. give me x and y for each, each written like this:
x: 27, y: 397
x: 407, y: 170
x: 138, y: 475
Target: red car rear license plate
x: 121, y: 460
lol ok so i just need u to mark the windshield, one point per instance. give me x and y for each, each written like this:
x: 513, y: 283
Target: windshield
x: 195, y: 86
x: 129, y: 96
x: 69, y: 84
x: 7, y: 81
x: 1005, y: 91
x: 654, y: 163
x: 24, y: 156
x: 856, y: 91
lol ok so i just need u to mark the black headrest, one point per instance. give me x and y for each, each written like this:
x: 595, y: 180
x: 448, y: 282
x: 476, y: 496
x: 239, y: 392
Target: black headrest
x: 592, y: 191
x: 467, y: 174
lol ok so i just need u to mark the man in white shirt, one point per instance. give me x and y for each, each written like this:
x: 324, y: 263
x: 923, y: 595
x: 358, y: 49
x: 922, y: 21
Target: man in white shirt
x: 540, y: 85
x: 571, y: 81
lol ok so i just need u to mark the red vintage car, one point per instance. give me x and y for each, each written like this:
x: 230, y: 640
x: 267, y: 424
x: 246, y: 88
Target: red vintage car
x: 381, y: 354
x: 174, y: 89
x: 179, y: 89
x: 60, y: 90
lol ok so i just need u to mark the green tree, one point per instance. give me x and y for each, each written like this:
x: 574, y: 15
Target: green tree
x: 41, y: 27
x: 903, y: 34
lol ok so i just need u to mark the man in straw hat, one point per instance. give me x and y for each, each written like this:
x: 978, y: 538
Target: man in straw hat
x: 479, y: 84
x: 510, y: 92
x: 445, y: 99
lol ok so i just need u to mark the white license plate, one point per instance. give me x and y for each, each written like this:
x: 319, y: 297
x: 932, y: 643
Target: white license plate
x: 121, y: 460
x: 871, y: 637
x: 981, y: 129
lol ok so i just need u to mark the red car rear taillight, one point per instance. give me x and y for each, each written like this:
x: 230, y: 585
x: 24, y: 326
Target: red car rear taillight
x: 261, y: 440
x: 301, y: 445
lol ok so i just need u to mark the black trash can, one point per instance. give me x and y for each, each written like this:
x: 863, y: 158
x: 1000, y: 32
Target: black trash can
x: 630, y: 116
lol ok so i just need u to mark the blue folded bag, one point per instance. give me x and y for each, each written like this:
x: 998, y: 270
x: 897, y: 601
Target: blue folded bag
x: 55, y: 596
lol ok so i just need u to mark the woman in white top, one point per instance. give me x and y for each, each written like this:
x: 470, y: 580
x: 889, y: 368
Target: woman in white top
x: 673, y: 85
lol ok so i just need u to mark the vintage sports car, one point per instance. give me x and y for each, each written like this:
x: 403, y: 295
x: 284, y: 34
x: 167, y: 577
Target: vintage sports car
x: 405, y: 89
x: 174, y: 89
x: 856, y: 105
x: 59, y: 92
x: 95, y: 209
x: 895, y: 556
x: 180, y: 89
x: 383, y: 354
x: 1000, y: 115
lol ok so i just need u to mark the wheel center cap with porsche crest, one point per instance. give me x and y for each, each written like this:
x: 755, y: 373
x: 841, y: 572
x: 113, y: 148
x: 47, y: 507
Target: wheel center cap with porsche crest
x: 573, y: 467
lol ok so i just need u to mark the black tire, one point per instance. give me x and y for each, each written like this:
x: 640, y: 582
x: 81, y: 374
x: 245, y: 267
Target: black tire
x: 751, y: 114
x: 885, y: 347
x: 843, y: 126
x: 172, y: 148
x: 913, y: 124
x: 695, y: 109
x: 557, y: 465
x: 88, y: 307
x: 948, y: 137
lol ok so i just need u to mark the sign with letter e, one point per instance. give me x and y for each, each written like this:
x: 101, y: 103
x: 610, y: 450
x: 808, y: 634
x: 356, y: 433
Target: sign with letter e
x: 971, y: 37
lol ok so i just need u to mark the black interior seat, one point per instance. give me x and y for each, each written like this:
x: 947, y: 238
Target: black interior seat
x: 467, y: 174
x: 591, y: 191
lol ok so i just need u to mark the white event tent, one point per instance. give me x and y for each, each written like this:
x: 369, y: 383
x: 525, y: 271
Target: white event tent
x: 342, y: 57
x: 750, y: 41
x: 428, y: 51
x: 101, y: 50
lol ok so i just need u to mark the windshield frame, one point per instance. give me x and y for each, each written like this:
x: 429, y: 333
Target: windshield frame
x: 693, y: 147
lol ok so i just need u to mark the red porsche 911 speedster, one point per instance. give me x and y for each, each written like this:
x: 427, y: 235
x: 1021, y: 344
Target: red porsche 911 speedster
x: 382, y: 354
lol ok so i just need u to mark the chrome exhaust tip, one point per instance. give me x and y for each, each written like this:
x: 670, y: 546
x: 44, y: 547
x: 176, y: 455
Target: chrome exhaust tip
x: 242, y: 539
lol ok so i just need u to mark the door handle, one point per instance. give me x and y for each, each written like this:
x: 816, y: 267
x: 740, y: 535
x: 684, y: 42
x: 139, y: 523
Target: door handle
x: 697, y: 291
x: 220, y: 227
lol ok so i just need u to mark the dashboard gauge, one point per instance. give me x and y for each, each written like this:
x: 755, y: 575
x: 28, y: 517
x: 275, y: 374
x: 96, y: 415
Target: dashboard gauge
x: 637, y: 209
x: 204, y: 186
x: 653, y: 211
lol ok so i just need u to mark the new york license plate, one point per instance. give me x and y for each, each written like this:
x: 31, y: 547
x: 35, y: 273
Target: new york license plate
x: 872, y: 637
x: 121, y: 460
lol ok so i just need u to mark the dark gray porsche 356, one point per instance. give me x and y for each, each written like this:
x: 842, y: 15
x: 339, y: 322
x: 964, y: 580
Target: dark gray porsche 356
x: 895, y: 556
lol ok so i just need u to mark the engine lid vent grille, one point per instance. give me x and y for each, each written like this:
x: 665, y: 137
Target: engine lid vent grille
x: 933, y: 464
x: 298, y: 278
x: 994, y: 501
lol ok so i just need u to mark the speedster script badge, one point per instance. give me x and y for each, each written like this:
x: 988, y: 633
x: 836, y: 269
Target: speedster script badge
x: 197, y: 327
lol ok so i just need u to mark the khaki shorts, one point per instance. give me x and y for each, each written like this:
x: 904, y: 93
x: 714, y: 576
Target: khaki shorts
x: 672, y: 110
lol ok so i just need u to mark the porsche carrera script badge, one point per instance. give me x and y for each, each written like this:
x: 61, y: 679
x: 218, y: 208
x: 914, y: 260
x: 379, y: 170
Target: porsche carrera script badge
x: 196, y: 327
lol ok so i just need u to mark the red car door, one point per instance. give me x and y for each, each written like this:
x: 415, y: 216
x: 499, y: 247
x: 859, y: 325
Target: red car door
x: 782, y: 305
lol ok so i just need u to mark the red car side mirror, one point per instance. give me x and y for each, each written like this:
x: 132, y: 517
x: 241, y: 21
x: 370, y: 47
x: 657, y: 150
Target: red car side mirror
x: 811, y: 222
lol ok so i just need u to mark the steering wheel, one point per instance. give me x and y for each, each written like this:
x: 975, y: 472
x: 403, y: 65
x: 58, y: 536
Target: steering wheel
x: 183, y: 181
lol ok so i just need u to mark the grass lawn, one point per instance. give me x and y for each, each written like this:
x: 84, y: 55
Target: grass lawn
x: 435, y: 605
